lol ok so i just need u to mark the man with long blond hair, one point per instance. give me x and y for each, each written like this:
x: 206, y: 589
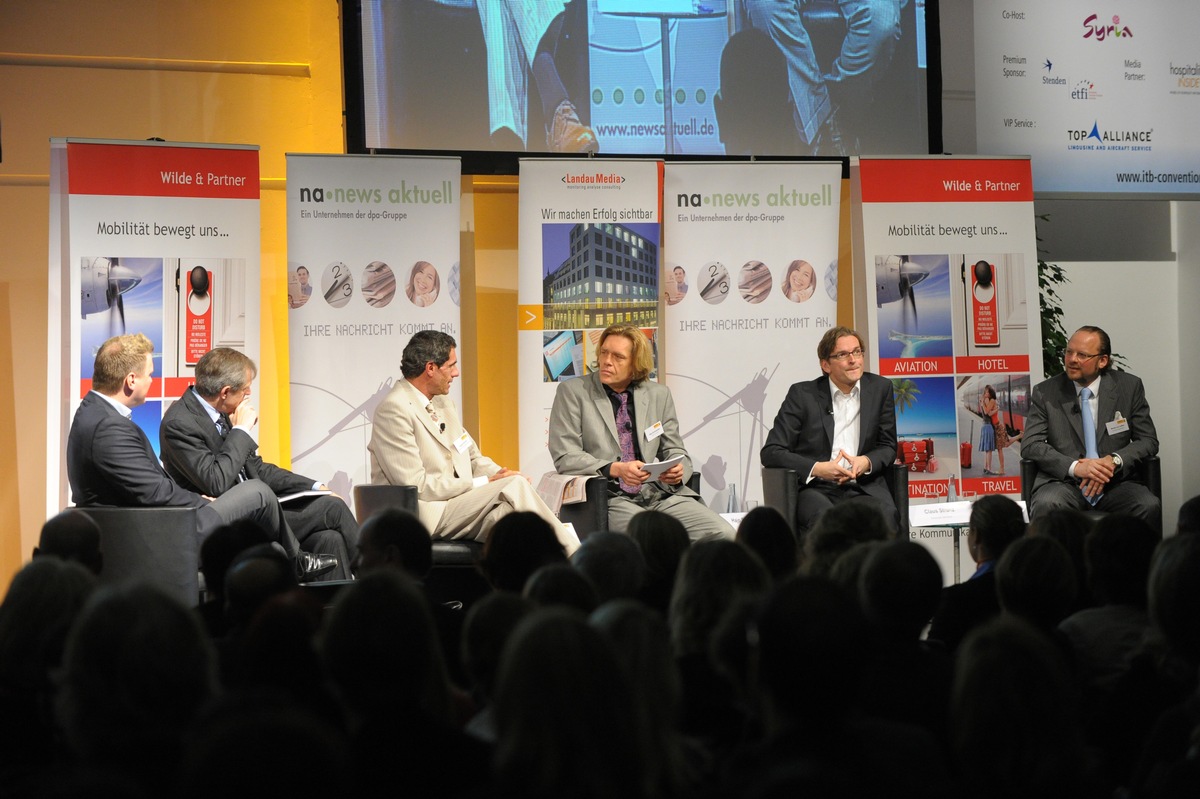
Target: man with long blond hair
x: 614, y: 421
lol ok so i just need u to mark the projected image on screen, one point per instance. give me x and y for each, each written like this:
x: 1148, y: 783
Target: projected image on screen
x: 721, y: 77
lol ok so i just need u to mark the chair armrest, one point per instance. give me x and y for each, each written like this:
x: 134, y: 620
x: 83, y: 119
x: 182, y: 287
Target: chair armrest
x: 370, y: 499
x: 1029, y: 470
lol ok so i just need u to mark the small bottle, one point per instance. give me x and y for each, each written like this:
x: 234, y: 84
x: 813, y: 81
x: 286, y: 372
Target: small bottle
x: 951, y: 492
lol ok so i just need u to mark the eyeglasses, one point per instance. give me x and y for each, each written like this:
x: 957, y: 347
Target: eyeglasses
x: 857, y: 352
x: 1083, y: 356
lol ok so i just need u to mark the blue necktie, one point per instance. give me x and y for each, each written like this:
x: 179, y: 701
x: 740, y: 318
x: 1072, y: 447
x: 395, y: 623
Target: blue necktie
x: 1089, y: 433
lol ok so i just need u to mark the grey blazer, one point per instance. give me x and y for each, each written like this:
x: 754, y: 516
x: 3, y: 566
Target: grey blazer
x: 583, y: 428
x: 1054, y: 428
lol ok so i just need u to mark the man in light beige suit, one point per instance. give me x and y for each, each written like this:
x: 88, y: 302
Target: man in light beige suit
x: 418, y: 439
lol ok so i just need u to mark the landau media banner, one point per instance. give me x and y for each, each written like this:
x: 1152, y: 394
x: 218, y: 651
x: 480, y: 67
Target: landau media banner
x: 1104, y: 96
x: 373, y: 257
x: 147, y: 237
x: 948, y: 255
x: 589, y: 245
x: 750, y: 285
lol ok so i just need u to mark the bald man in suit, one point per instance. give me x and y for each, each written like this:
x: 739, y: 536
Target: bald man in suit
x: 1107, y: 479
x: 587, y: 424
x: 418, y: 439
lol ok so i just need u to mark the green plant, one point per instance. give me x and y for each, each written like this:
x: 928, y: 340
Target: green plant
x: 906, y: 392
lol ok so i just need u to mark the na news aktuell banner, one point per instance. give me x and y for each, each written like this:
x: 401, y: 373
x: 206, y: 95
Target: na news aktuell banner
x: 750, y: 285
x: 373, y: 257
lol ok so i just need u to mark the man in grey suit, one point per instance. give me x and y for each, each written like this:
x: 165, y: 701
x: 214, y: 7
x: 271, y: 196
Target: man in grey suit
x: 207, y: 447
x: 613, y: 421
x: 418, y: 439
x: 838, y: 432
x: 110, y: 461
x: 1088, y: 429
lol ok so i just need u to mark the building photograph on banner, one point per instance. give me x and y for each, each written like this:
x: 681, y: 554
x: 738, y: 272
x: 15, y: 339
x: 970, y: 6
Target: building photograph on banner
x: 589, y: 250
x: 952, y: 314
x: 749, y: 281
x: 158, y: 239
x: 373, y: 257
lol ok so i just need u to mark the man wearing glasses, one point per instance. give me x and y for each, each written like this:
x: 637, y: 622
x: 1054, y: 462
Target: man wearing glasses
x: 837, y: 432
x: 1088, y: 429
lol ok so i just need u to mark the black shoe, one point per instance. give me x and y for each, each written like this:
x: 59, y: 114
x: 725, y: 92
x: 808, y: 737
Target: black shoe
x: 310, y: 566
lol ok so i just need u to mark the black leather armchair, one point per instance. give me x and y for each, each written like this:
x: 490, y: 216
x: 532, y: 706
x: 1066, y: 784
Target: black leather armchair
x: 1150, y: 472
x: 160, y: 546
x: 781, y: 490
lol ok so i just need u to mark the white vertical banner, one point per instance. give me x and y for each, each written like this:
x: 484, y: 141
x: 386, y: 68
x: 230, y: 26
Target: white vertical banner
x: 373, y: 257
x: 949, y: 261
x: 589, y: 240
x: 749, y: 280
x: 147, y: 237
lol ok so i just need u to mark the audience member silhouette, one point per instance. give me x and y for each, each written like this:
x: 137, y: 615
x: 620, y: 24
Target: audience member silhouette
x: 72, y: 535
x: 217, y: 553
x: 996, y: 522
x: 838, y: 529
x: 753, y: 104
x: 613, y: 563
x: 768, y: 534
x: 1036, y: 582
x: 1070, y: 528
x: 487, y: 628
x: 395, y: 538
x: 1014, y: 718
x: 1189, y: 516
x: 381, y: 654
x: 520, y: 543
x: 554, y: 661
x: 663, y: 540
x: 1105, y: 637
x: 561, y: 585
x: 42, y: 602
x: 137, y: 670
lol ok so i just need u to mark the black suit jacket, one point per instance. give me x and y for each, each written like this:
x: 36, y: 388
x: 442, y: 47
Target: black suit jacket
x: 803, y: 432
x: 110, y: 462
x: 196, y: 456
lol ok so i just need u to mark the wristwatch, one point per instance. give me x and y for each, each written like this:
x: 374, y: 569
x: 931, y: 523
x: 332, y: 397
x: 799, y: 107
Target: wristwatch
x: 1117, y: 462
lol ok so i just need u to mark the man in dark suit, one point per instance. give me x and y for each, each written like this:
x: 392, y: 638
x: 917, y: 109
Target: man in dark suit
x: 207, y: 448
x: 837, y: 432
x: 110, y: 460
x: 613, y: 422
x: 1088, y: 429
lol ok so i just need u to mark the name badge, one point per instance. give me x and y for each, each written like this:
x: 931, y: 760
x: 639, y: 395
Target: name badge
x: 463, y: 442
x: 654, y: 431
x: 1118, y: 425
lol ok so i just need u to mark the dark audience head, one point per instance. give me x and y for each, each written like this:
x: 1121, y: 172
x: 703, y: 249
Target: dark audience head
x: 221, y: 547
x: 559, y: 584
x: 42, y: 602
x: 489, y: 623
x: 1036, y: 581
x: 767, y: 533
x: 1119, y: 552
x: 899, y: 588
x: 1070, y: 528
x: 519, y: 544
x: 1189, y: 516
x: 397, y: 539
x: 613, y: 563
x: 663, y: 540
x: 72, y: 535
x: 565, y: 717
x: 278, y: 647
x: 1013, y: 719
x: 713, y: 576
x: 256, y: 575
x: 380, y: 650
x: 136, y: 672
x: 1174, y: 594
x: 811, y: 640
x: 839, y: 528
x: 996, y: 522
x: 752, y: 106
x: 847, y: 568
